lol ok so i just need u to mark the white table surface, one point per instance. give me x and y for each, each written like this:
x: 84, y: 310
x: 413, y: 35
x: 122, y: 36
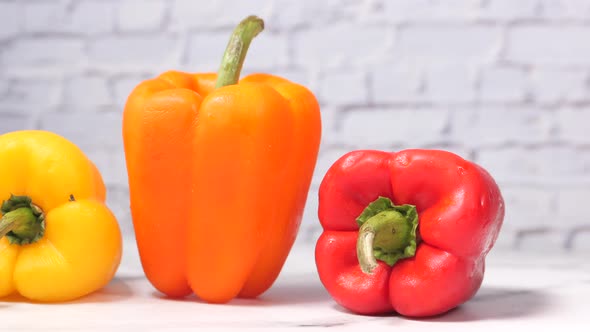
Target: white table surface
x: 521, y: 291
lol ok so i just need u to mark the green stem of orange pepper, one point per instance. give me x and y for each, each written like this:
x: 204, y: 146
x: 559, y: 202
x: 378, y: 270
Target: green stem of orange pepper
x: 235, y: 52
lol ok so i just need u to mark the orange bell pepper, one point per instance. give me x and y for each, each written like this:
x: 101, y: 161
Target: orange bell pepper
x: 219, y: 173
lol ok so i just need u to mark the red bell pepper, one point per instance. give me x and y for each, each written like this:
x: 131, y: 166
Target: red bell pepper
x: 405, y: 231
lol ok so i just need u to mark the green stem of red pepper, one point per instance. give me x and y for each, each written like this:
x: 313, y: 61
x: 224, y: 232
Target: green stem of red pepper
x: 387, y: 233
x: 235, y: 52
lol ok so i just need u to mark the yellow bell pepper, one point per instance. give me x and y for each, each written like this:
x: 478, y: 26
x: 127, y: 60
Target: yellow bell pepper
x: 58, y: 239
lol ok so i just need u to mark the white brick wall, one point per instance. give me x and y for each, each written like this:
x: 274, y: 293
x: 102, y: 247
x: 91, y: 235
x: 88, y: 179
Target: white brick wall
x: 539, y: 44
x: 504, y: 83
x: 151, y: 18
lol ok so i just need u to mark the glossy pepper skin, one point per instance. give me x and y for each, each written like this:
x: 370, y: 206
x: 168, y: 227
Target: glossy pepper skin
x: 460, y: 211
x: 218, y: 179
x: 58, y: 239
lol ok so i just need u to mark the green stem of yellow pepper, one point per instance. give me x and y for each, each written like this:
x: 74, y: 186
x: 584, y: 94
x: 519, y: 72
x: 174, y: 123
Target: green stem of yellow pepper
x: 22, y: 221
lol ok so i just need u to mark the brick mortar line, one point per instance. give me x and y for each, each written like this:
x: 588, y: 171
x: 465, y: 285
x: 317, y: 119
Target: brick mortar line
x: 474, y: 107
x: 112, y: 69
x: 485, y: 147
x: 398, y: 25
x: 344, y: 110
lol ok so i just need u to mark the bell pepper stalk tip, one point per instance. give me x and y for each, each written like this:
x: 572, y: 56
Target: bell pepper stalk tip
x: 22, y: 222
x: 235, y: 52
x: 387, y: 233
